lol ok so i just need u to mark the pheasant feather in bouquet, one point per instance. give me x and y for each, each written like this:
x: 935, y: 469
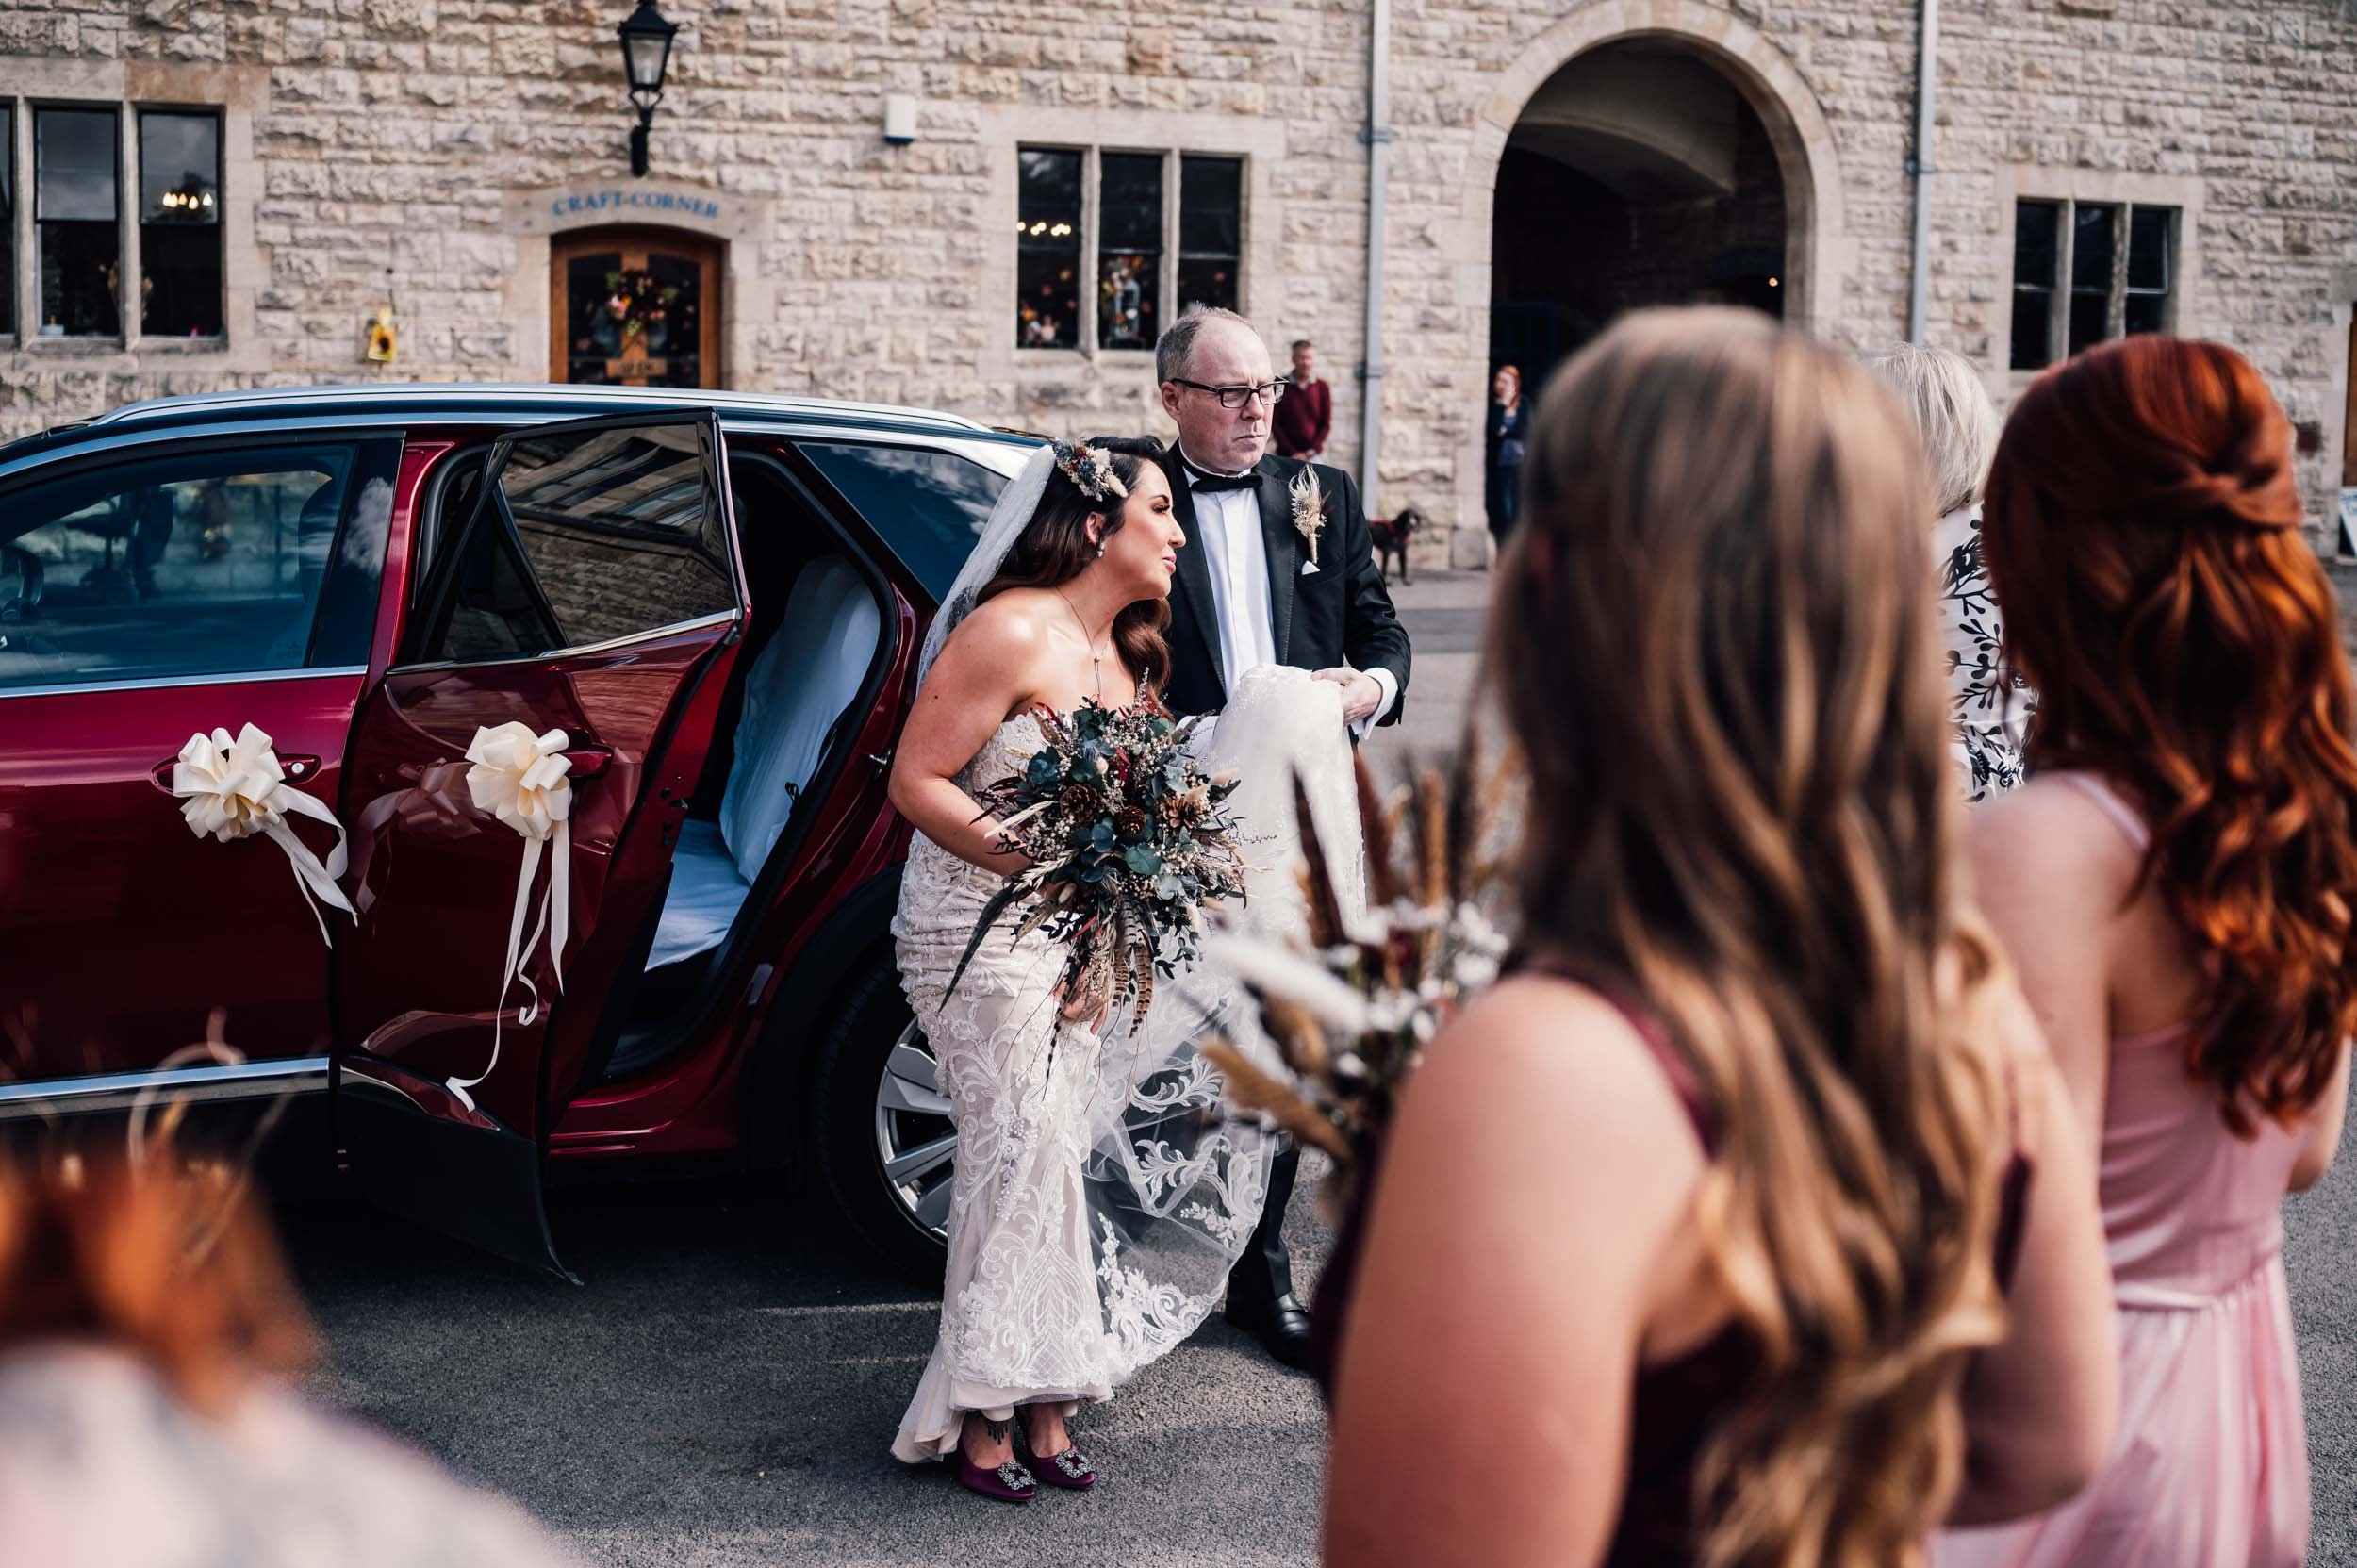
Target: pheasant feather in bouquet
x: 1350, y: 1007
x: 1130, y: 841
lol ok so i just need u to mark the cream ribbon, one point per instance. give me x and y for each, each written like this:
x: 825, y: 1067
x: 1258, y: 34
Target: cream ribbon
x: 520, y: 778
x: 232, y: 789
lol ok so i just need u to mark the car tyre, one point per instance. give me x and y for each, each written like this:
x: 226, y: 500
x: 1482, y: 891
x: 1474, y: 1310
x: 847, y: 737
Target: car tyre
x: 883, y: 1132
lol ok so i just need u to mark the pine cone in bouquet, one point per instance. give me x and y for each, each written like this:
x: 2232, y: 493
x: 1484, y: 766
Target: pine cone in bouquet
x: 1130, y: 844
x: 1350, y: 1010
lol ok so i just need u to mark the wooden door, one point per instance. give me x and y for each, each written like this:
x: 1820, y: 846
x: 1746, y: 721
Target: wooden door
x: 635, y: 308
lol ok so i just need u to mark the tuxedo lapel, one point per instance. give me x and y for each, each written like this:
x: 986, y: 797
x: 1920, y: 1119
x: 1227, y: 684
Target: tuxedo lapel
x: 1284, y: 553
x: 1192, y: 603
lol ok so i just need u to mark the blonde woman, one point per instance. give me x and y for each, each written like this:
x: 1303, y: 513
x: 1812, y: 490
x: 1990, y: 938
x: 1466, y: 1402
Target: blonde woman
x: 1953, y: 413
x: 1689, y: 1242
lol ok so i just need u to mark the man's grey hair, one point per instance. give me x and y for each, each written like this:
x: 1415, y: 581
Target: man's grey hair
x: 1951, y: 409
x: 1174, y: 351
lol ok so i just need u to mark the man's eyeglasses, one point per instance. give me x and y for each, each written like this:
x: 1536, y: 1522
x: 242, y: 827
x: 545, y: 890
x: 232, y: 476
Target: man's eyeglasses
x: 1268, y: 392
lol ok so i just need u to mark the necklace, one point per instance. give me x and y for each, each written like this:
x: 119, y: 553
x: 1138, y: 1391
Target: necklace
x: 1096, y: 662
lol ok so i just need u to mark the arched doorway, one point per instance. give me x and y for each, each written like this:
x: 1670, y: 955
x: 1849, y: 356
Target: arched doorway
x: 1637, y: 173
x: 635, y: 308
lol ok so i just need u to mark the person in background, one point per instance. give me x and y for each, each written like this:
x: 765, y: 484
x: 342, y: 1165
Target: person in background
x: 1302, y: 424
x: 1688, y: 1230
x: 1508, y: 427
x: 1952, y: 412
x: 149, y: 1337
x: 2174, y: 882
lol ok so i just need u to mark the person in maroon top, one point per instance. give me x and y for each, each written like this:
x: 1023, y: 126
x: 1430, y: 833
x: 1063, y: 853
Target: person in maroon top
x: 1304, y: 421
x: 1688, y: 1240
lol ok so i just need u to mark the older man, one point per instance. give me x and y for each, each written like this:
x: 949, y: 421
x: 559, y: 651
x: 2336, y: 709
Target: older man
x: 1254, y: 589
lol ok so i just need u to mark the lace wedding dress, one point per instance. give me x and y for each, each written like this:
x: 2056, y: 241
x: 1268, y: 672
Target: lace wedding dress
x: 1101, y: 1190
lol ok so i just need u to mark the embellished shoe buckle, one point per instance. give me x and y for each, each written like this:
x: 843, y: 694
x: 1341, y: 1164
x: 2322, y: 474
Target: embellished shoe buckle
x: 1014, y: 1478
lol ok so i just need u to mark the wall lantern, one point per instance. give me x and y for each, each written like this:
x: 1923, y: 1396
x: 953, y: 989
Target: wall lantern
x: 645, y: 56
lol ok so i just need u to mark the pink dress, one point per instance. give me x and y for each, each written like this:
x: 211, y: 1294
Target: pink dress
x: 2210, y: 1466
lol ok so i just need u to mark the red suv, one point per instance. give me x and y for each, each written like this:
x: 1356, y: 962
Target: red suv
x: 719, y: 599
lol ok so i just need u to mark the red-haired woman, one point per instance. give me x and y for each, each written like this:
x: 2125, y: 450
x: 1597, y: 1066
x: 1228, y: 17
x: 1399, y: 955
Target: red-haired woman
x: 2174, y: 884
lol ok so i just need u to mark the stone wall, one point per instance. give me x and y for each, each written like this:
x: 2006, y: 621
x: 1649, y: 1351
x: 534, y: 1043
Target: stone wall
x: 402, y: 150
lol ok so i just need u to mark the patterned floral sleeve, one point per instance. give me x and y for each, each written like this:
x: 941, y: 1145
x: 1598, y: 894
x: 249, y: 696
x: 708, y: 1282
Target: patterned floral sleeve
x: 1991, y: 714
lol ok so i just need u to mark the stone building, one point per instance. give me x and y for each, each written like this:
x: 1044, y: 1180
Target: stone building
x: 1062, y: 177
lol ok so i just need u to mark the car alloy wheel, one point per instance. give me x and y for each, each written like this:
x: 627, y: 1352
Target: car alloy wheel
x: 915, y: 1138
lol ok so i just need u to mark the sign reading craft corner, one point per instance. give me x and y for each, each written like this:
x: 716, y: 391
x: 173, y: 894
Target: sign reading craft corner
x: 626, y: 203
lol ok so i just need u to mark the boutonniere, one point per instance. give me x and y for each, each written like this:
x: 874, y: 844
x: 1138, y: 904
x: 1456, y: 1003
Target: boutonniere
x: 1310, y: 507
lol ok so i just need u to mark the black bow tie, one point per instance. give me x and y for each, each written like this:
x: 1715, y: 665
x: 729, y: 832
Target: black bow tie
x: 1200, y: 480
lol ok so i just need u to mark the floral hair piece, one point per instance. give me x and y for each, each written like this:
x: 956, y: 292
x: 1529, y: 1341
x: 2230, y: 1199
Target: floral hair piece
x: 1091, y: 470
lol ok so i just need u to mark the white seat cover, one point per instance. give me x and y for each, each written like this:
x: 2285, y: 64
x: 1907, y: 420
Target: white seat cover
x: 798, y: 687
x: 705, y: 895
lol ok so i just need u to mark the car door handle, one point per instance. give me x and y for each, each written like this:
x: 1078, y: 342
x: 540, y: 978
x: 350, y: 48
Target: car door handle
x: 302, y: 768
x: 588, y: 762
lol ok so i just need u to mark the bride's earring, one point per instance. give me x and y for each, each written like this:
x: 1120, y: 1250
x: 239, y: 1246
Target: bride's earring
x: 1100, y: 552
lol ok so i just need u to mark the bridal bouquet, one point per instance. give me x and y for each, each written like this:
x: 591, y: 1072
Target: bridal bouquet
x: 1351, y: 1009
x: 1128, y: 841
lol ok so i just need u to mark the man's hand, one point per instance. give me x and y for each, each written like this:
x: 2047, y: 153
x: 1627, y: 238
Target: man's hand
x: 1362, y: 693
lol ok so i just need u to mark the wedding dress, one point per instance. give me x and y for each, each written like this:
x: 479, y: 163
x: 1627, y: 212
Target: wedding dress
x: 1101, y: 1189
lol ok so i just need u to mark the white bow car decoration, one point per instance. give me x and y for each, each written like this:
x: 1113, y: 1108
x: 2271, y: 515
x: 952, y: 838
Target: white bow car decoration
x: 232, y: 790
x: 521, y: 779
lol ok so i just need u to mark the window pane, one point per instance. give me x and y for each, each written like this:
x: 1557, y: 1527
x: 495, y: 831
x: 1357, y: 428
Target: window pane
x: 673, y: 307
x: 594, y: 313
x: 620, y: 529
x: 2089, y: 312
x: 1205, y: 281
x: 1047, y: 261
x: 180, y: 284
x: 2092, y: 247
x: 74, y: 157
x: 78, y: 277
x: 179, y: 168
x: 2150, y: 229
x: 2148, y: 313
x: 1211, y: 207
x: 929, y: 507
x: 2033, y: 320
x: 1130, y: 212
x: 179, y: 280
x: 2037, y: 241
x: 1130, y: 253
x: 200, y: 563
x: 495, y: 612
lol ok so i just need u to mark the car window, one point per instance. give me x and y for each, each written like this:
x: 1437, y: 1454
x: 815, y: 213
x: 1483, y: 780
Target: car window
x: 592, y: 535
x: 195, y: 563
x: 927, y: 506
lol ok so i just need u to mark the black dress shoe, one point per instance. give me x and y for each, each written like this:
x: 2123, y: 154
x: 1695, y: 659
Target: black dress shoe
x: 1281, y: 1325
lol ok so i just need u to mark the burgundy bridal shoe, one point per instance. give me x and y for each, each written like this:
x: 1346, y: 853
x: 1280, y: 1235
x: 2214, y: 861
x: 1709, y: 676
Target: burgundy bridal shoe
x: 1068, y: 1469
x: 1006, y: 1483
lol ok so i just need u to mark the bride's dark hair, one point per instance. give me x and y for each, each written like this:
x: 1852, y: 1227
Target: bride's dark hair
x: 1054, y: 547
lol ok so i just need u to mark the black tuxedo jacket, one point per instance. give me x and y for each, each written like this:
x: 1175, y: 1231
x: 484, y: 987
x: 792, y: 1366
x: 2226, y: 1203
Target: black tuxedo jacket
x: 1340, y: 613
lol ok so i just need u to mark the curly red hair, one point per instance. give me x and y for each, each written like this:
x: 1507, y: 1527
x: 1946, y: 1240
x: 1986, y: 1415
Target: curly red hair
x: 2142, y: 532
x: 168, y: 1262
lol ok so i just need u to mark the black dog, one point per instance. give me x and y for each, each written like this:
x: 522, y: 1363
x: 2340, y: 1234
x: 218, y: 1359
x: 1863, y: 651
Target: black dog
x: 1390, y: 539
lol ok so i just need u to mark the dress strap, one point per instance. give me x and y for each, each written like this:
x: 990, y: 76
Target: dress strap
x: 2113, y: 804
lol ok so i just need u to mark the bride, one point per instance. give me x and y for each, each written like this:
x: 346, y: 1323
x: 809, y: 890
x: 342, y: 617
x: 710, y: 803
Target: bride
x: 1100, y: 1194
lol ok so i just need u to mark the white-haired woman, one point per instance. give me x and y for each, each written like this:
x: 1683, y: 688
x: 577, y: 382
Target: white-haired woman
x: 1942, y: 393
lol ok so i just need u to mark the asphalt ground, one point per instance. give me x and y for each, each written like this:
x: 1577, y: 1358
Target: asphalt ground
x: 723, y: 1386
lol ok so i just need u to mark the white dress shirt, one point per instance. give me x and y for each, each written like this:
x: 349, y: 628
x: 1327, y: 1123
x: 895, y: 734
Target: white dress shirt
x: 1237, y: 553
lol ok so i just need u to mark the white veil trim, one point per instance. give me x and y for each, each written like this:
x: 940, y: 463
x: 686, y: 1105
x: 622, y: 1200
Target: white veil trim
x: 1017, y: 503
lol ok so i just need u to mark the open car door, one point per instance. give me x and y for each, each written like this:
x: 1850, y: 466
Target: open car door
x: 593, y: 588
